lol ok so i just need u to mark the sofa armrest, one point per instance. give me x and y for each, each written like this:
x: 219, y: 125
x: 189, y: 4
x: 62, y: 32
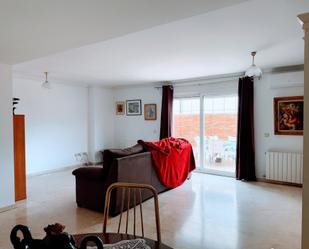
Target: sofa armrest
x: 94, y: 173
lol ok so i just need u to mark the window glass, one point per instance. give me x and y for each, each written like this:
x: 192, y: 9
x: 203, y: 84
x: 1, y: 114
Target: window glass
x: 221, y: 105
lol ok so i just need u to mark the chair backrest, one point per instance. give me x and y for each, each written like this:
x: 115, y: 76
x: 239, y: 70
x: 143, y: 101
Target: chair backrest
x: 132, y: 191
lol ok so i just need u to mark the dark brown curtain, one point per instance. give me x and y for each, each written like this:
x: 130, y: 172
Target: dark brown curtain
x: 245, y: 158
x: 166, y: 111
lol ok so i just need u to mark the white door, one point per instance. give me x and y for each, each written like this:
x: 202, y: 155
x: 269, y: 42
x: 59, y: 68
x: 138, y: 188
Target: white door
x: 220, y: 132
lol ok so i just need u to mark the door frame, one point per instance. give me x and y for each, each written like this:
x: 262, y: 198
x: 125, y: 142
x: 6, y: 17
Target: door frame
x: 202, y: 144
x: 202, y: 168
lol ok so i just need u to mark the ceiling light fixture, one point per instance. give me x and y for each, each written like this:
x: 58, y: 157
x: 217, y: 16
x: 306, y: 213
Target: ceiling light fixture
x: 253, y: 70
x: 46, y: 83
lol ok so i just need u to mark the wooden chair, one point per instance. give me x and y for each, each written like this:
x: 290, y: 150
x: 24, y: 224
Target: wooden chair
x: 136, y: 190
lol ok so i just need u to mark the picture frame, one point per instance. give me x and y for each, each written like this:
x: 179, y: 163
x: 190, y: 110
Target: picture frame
x: 289, y: 115
x: 120, y: 108
x: 150, y: 111
x: 134, y: 107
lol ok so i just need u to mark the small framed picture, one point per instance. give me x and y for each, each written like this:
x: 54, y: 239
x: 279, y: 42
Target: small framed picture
x: 289, y: 115
x: 134, y: 107
x: 120, y: 108
x: 150, y: 112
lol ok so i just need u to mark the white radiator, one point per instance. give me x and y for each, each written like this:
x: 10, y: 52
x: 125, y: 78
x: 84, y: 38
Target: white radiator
x: 284, y: 166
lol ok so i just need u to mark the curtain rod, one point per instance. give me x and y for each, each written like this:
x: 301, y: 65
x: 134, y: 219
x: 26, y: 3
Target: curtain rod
x: 203, y: 80
x: 230, y: 76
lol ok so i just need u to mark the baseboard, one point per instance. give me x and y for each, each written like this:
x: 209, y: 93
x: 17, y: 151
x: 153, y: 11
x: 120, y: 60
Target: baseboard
x: 4, y: 209
x: 50, y: 171
x: 279, y: 182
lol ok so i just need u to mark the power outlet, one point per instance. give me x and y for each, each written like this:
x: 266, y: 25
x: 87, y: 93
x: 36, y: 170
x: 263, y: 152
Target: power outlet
x: 82, y: 158
x: 78, y: 157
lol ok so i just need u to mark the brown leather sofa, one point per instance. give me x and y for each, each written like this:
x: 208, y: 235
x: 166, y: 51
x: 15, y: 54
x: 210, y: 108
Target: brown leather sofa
x: 128, y: 165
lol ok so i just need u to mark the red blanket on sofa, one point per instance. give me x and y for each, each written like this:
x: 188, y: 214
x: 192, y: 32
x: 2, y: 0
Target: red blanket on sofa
x: 173, y: 159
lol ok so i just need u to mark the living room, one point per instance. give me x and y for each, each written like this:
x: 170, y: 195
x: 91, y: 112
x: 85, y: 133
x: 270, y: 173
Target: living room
x: 201, y: 48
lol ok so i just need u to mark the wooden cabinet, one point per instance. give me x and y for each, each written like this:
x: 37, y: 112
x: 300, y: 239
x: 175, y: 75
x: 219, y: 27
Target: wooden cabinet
x: 19, y: 157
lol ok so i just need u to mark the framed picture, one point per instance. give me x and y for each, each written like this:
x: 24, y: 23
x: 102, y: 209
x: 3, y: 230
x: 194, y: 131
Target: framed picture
x: 150, y: 112
x: 134, y: 107
x: 289, y: 115
x: 120, y: 108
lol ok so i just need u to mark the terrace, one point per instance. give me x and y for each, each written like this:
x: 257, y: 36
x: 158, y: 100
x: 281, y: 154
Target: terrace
x: 218, y: 152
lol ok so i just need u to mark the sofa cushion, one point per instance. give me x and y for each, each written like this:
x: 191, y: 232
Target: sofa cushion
x: 117, y: 153
x: 111, y: 154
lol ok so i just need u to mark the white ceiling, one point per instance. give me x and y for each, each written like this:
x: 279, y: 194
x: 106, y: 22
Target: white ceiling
x: 217, y: 42
x: 35, y: 28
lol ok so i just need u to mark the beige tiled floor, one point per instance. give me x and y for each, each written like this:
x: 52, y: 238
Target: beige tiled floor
x: 208, y: 211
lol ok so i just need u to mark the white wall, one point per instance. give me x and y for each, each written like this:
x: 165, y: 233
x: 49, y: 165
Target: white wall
x: 128, y: 129
x: 101, y: 112
x: 6, y: 138
x: 274, y: 85
x: 56, y: 123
